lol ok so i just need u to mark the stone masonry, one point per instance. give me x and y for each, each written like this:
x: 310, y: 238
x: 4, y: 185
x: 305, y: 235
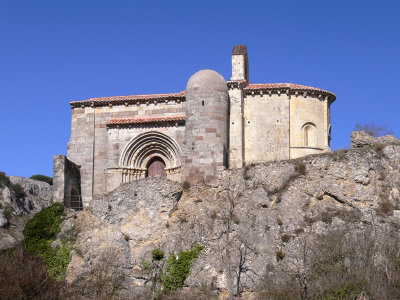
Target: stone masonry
x: 195, y: 134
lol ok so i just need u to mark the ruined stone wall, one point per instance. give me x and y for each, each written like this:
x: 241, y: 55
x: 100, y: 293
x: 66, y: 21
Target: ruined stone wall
x: 266, y: 127
x: 308, y: 111
x: 89, y: 148
x: 66, y: 181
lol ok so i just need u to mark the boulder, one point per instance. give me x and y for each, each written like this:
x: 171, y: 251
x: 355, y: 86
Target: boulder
x: 361, y: 139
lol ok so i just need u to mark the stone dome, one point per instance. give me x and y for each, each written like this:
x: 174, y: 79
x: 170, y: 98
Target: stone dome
x: 207, y: 79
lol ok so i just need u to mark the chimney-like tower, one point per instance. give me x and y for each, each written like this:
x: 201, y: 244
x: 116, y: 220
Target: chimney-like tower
x: 240, y: 63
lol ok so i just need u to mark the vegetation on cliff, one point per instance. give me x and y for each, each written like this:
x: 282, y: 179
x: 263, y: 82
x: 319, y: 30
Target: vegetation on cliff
x: 43, y: 178
x: 41, y: 231
x: 16, y: 188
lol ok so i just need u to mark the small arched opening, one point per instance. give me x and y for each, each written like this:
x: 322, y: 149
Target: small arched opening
x: 309, y: 135
x: 156, y: 167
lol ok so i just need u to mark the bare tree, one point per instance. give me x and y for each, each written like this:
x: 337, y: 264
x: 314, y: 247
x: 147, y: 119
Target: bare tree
x: 373, y: 130
x: 237, y: 249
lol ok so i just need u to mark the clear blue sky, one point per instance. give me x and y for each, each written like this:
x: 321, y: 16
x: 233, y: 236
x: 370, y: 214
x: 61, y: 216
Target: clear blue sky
x: 52, y: 52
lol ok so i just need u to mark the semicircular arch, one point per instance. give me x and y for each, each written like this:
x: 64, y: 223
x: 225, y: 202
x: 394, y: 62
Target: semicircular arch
x: 141, y: 149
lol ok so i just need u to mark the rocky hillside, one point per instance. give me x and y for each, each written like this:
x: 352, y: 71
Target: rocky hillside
x: 20, y: 198
x: 264, y: 226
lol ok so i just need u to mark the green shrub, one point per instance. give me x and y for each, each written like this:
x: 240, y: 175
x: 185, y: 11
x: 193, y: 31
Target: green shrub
x: 157, y: 254
x: 347, y: 290
x: 279, y: 255
x: 8, y: 211
x: 18, y: 190
x: 44, y: 178
x: 40, y: 232
x: 178, y: 269
x: 286, y: 238
x: 146, y: 265
x: 4, y: 180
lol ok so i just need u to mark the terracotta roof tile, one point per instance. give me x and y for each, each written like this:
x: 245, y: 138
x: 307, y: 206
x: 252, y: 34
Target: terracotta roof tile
x: 291, y: 86
x: 180, y: 95
x: 156, y: 119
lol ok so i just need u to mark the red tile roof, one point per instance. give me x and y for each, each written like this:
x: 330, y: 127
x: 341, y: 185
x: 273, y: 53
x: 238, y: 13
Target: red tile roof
x: 293, y: 86
x: 182, y: 95
x: 156, y: 119
x: 114, y: 99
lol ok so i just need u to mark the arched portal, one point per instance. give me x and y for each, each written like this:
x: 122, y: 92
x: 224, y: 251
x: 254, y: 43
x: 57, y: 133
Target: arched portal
x: 156, y: 167
x: 153, y: 150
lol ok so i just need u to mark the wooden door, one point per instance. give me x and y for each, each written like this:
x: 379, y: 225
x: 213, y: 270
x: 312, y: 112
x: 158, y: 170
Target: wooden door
x: 156, y: 167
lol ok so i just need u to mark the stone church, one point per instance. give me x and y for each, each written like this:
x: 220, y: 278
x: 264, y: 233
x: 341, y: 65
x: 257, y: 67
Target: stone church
x: 191, y: 135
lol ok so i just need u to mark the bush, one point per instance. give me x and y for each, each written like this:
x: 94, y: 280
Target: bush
x: 40, y: 232
x: 373, y: 130
x: 157, y: 254
x: 286, y: 238
x: 279, y: 255
x: 178, y: 269
x: 23, y: 276
x: 300, y: 168
x: 44, y: 178
x: 4, y: 180
x: 186, y: 185
x: 18, y: 190
x: 146, y: 265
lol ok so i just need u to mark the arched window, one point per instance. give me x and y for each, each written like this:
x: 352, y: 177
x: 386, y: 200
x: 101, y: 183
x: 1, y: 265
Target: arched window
x: 309, y: 135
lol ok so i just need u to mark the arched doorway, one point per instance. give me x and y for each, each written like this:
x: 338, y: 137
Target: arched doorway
x: 156, y: 167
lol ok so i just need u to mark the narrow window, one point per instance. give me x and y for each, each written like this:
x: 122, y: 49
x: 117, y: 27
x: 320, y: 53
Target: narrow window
x: 309, y: 135
x: 202, y: 103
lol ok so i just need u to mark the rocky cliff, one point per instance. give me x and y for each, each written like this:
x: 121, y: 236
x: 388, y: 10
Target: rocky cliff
x: 20, y: 198
x: 259, y: 225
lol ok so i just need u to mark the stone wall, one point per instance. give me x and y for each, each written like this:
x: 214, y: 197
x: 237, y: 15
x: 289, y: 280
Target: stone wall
x: 312, y: 112
x: 89, y: 144
x: 66, y: 182
x: 266, y: 127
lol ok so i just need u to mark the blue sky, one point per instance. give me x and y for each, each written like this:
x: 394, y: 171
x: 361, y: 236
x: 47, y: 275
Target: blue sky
x: 53, y: 52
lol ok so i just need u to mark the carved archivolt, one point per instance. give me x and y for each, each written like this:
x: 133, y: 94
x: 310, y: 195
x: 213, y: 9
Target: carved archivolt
x: 144, y: 147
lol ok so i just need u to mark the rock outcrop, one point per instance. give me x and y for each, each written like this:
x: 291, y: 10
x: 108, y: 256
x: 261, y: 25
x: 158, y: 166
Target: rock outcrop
x: 361, y: 139
x: 259, y: 215
x: 16, y: 209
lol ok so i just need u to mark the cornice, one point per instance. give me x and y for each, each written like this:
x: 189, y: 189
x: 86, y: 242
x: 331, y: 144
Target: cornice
x: 130, y: 100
